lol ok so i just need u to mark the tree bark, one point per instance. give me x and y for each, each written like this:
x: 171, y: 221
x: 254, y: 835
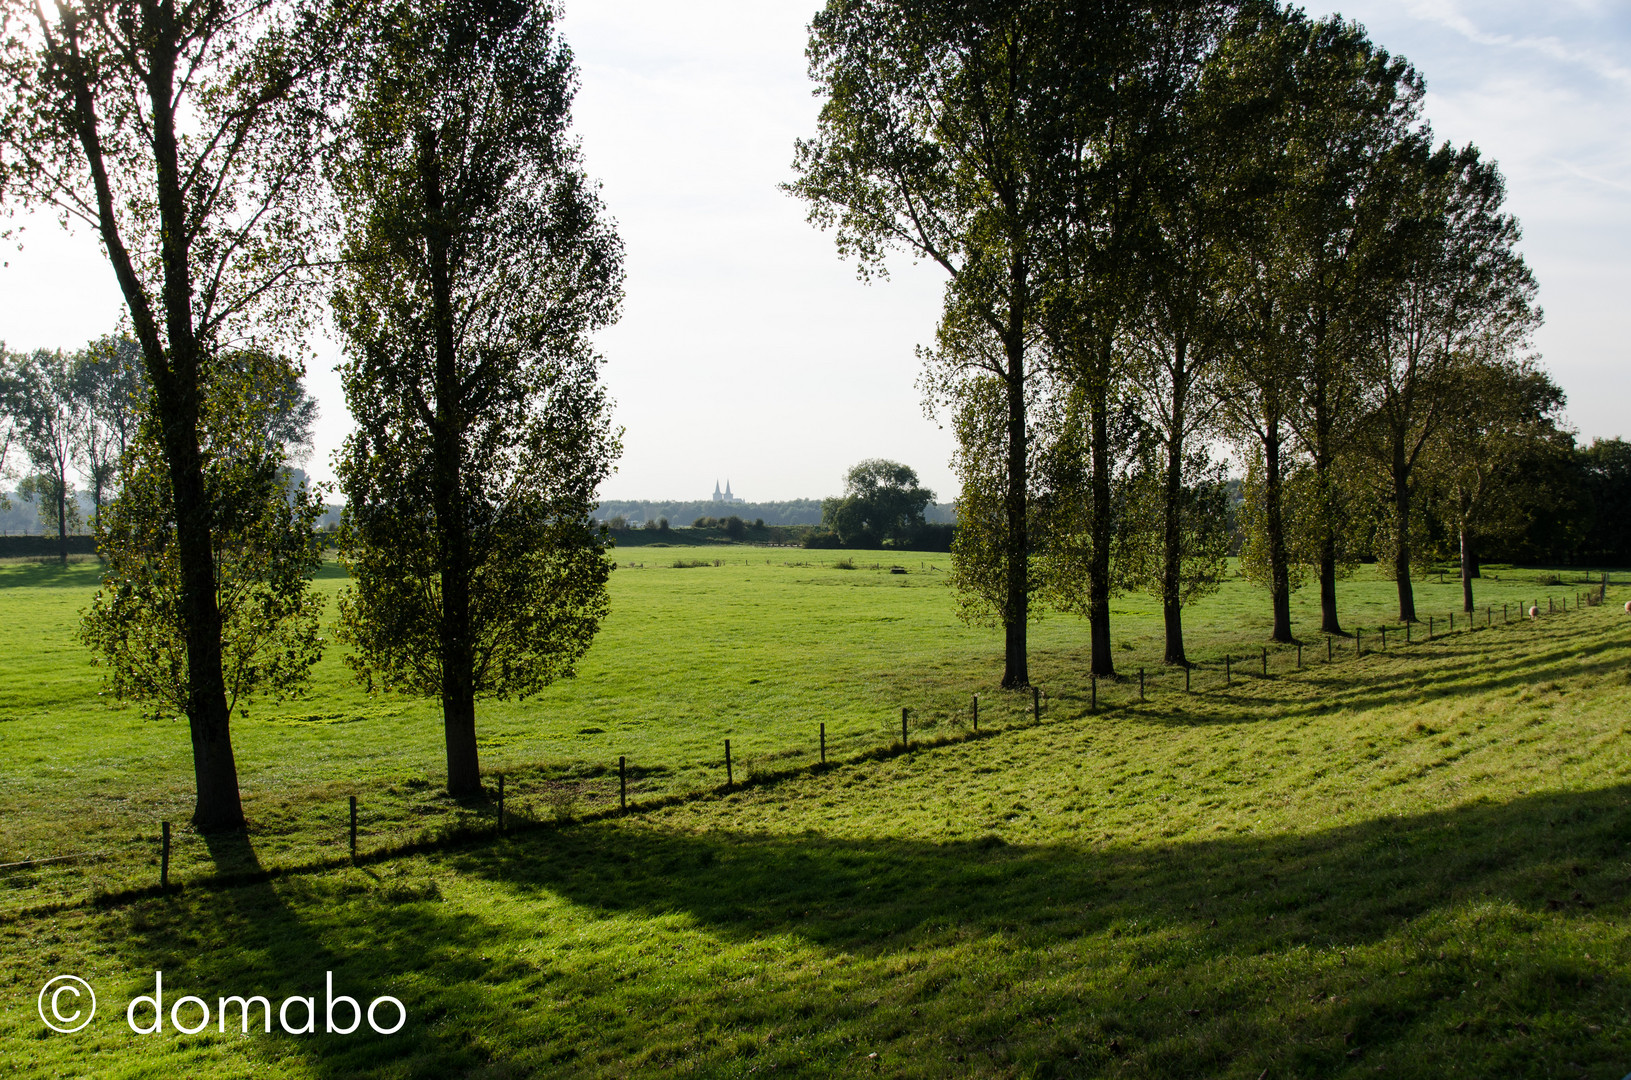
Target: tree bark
x: 1401, y: 524
x: 1468, y: 569
x: 1102, y: 532
x: 1324, y: 468
x: 1172, y: 561
x: 1274, y: 525
x: 62, y: 519
x: 1016, y: 673
x: 1016, y: 666
x: 453, y: 538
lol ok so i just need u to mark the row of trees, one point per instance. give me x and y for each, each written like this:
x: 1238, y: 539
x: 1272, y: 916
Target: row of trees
x: 1172, y: 230
x: 410, y: 163
x: 66, y: 416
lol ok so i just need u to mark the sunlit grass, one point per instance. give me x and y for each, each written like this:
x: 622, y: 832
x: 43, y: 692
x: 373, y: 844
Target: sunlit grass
x: 1414, y: 861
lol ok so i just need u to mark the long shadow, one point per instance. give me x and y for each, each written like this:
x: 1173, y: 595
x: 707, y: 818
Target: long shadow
x: 1338, y: 888
x: 1175, y: 915
x: 281, y: 938
x: 1357, y: 688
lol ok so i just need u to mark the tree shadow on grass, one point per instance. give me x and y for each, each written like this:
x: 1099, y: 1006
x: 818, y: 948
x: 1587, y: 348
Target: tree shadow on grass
x: 1423, y: 940
x: 1466, y: 672
x: 1386, y: 892
x: 280, y: 938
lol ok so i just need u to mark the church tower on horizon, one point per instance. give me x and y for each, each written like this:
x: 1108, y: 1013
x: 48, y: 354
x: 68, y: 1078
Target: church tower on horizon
x: 726, y: 495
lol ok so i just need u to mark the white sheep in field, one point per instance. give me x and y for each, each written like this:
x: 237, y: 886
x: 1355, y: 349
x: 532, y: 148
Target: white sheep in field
x: 1534, y: 612
x: 1628, y: 607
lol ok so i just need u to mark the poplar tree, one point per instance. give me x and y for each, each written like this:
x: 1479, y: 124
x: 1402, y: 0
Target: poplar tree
x: 1347, y: 105
x: 1459, y: 287
x: 478, y: 262
x: 51, y: 419
x: 1506, y: 416
x: 938, y: 136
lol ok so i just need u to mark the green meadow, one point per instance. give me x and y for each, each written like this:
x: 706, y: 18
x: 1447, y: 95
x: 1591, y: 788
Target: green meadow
x: 1410, y: 861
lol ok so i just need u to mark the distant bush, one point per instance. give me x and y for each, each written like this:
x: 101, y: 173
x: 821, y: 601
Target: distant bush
x: 688, y: 564
x: 734, y: 527
x: 704, y: 523
x: 827, y: 539
x: 844, y: 564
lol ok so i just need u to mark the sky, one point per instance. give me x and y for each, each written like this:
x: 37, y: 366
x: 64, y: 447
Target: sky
x: 748, y: 351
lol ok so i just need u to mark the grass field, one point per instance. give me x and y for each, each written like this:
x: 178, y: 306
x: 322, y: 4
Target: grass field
x: 1412, y: 861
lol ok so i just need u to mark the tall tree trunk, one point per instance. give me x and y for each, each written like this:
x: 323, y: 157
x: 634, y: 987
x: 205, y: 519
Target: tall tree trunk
x: 1172, y: 539
x: 177, y: 392
x: 62, y: 519
x: 1016, y: 618
x: 453, y: 539
x: 1274, y: 524
x: 1324, y: 469
x: 1102, y: 532
x: 1016, y: 672
x: 1467, y: 569
x: 1401, y: 525
x: 1172, y: 610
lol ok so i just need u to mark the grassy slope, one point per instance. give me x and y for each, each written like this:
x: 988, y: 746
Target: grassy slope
x: 1414, y: 861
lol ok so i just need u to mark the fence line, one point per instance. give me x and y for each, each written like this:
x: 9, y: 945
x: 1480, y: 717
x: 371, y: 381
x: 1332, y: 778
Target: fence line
x: 462, y: 833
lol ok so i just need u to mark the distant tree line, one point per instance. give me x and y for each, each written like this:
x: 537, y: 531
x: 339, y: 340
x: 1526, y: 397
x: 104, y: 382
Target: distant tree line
x: 683, y: 512
x: 787, y: 512
x: 1173, y: 231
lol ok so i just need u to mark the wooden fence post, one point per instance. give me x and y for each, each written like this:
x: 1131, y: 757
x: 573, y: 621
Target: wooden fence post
x: 976, y: 712
x: 164, y: 859
x: 904, y: 742
x: 1327, y: 648
x: 823, y: 742
x: 727, y: 763
x: 1227, y: 679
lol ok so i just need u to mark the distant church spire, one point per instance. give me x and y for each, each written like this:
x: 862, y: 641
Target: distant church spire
x: 717, y: 496
x: 728, y: 497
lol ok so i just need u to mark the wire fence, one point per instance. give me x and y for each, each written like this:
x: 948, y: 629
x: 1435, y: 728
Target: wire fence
x: 161, y: 857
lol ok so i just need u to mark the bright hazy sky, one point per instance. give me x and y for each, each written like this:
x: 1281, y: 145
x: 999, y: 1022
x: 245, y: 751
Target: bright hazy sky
x: 747, y: 351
